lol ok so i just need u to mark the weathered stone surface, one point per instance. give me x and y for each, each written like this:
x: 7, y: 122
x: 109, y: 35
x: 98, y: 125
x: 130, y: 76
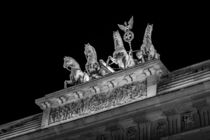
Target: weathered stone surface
x: 178, y: 114
x: 113, y: 91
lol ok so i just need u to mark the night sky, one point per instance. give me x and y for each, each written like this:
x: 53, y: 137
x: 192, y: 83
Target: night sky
x: 35, y: 40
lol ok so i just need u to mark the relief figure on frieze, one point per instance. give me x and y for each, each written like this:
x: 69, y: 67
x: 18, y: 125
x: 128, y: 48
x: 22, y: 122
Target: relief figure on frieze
x: 120, y: 95
x: 68, y: 111
x: 95, y: 103
x: 98, y: 102
x: 139, y: 90
x: 75, y: 108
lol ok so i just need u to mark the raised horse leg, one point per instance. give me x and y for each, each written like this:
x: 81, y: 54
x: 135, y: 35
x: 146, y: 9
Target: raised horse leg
x: 66, y: 82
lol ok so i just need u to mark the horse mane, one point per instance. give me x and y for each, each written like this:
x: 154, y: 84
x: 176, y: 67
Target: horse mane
x: 68, y: 58
x: 93, y: 51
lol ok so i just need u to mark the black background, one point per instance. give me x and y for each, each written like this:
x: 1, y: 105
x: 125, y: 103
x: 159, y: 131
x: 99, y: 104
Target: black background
x: 36, y: 37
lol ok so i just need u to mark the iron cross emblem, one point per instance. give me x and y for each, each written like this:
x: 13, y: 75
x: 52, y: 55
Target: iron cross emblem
x: 129, y: 35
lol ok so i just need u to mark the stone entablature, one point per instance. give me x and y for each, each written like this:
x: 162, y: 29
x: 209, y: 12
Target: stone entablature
x: 20, y: 127
x: 114, y: 90
x: 100, y: 87
x: 113, y: 101
x: 151, y: 119
x: 199, y: 107
x: 185, y: 77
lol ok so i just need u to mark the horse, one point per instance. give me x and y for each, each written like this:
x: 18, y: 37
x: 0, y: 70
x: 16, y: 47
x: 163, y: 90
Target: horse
x: 76, y: 75
x: 120, y: 55
x: 94, y: 68
x: 147, y: 47
x: 140, y: 57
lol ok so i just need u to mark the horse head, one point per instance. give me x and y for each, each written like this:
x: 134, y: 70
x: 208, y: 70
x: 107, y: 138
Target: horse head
x: 70, y: 62
x: 90, y: 53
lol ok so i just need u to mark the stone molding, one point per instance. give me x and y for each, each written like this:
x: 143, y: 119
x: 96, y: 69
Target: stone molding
x: 112, y: 91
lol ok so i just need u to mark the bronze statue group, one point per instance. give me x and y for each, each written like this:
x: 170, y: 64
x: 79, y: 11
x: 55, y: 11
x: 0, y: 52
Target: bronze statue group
x: 95, y: 69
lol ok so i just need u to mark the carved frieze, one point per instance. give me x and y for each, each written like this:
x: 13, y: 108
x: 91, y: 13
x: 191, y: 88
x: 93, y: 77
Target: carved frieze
x: 100, y: 95
x: 99, y: 102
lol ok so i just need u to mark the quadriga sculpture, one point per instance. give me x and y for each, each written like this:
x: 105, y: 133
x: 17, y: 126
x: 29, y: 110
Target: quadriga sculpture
x: 76, y: 75
x: 120, y: 57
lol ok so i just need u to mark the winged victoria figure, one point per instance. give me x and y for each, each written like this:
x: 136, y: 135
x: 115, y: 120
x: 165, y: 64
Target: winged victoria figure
x: 120, y: 55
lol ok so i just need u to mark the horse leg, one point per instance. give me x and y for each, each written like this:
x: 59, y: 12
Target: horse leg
x: 107, y: 61
x: 131, y: 61
x: 66, y: 82
x: 86, y: 77
x: 112, y: 59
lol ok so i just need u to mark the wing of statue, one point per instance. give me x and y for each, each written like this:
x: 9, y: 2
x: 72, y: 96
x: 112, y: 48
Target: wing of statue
x: 118, y: 42
x: 130, y: 23
x: 122, y: 27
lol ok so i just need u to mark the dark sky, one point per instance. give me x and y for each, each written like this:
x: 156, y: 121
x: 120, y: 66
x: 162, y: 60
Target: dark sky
x: 36, y: 38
